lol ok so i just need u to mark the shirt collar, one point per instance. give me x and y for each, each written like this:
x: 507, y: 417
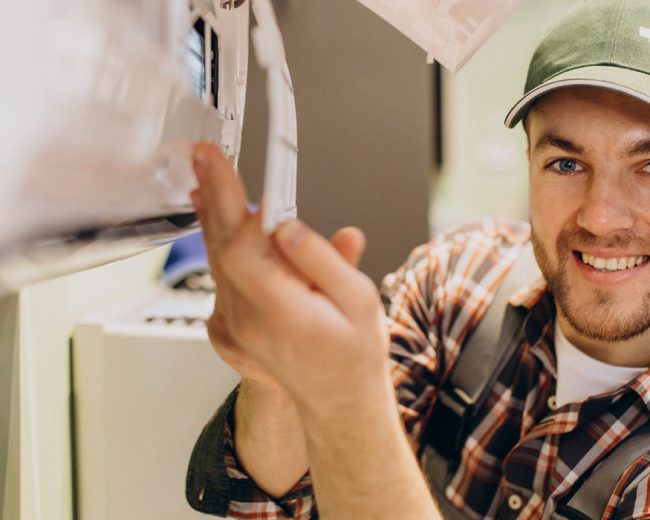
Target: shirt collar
x: 641, y: 385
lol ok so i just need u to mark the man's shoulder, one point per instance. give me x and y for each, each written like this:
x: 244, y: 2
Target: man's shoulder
x: 491, y: 239
x: 488, y: 231
x: 465, y: 259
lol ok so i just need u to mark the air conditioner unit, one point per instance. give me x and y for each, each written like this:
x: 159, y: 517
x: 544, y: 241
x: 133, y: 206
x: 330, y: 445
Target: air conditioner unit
x: 102, y: 101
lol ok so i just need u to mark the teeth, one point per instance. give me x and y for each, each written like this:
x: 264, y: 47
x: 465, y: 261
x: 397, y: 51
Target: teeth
x: 613, y: 264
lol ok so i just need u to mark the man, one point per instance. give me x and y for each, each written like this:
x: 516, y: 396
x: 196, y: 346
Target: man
x: 314, y: 429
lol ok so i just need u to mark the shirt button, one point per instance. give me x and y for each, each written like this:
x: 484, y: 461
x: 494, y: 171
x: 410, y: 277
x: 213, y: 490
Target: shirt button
x: 515, y: 502
x: 552, y: 403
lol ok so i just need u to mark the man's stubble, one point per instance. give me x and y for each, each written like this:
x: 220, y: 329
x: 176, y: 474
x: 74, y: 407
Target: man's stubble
x: 598, y: 317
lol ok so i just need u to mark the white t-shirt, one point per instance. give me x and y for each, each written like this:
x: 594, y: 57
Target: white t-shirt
x: 580, y: 376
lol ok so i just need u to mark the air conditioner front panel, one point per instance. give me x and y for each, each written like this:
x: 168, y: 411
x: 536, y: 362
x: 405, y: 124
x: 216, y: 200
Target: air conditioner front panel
x: 99, y: 120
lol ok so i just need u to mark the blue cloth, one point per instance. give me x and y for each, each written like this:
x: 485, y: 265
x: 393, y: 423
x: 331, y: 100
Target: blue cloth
x: 187, y: 256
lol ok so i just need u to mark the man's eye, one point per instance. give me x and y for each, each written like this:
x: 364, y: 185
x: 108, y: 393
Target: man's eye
x: 566, y: 166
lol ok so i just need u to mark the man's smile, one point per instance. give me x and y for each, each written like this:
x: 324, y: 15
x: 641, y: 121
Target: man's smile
x: 611, y: 263
x: 610, y: 267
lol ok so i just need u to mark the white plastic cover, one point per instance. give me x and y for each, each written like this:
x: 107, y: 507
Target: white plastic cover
x: 282, y: 148
x: 100, y: 110
x: 450, y: 31
x: 93, y: 95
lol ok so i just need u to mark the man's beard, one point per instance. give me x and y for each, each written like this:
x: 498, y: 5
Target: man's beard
x: 599, y: 316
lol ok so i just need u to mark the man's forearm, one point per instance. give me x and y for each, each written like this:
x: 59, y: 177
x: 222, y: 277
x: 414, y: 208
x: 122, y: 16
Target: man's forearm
x: 269, y: 438
x: 362, y: 464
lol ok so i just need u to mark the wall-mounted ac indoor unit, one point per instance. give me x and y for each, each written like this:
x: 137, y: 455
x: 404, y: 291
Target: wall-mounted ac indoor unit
x: 101, y: 102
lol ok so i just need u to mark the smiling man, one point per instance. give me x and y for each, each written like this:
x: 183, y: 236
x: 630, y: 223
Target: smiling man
x: 551, y: 422
x: 590, y: 157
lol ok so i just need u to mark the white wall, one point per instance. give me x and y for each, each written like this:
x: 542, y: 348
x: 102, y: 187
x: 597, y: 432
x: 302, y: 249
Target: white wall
x: 47, y: 315
x: 364, y: 105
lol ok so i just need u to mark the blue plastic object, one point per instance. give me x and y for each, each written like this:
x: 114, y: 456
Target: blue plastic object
x: 187, y: 257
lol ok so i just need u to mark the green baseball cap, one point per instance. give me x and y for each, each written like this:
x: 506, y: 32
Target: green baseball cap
x: 599, y: 43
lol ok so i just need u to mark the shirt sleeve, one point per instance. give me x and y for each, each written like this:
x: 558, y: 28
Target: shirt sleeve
x: 218, y: 485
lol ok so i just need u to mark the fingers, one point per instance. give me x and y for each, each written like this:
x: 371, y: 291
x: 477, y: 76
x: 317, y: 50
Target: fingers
x: 221, y: 196
x: 222, y: 208
x: 232, y: 235
x: 318, y: 261
x: 240, y: 253
x: 350, y: 243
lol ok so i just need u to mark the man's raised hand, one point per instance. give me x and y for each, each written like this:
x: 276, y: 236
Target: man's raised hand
x: 290, y: 308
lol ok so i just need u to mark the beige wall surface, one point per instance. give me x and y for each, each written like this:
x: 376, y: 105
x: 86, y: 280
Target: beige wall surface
x: 363, y: 96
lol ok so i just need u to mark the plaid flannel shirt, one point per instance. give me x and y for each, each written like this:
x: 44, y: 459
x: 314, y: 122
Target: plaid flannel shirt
x: 522, y: 453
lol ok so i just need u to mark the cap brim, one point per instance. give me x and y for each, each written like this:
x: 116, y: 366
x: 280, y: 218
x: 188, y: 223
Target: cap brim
x: 625, y: 81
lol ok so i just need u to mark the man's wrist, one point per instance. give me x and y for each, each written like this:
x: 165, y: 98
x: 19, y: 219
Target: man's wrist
x: 263, y: 391
x: 350, y: 407
x: 260, y: 403
x: 269, y: 439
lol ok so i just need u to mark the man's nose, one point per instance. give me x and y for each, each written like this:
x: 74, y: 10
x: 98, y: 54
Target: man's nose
x: 606, y: 207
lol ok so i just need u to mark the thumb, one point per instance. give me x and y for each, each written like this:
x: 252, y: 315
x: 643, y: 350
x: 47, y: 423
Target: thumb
x: 319, y: 262
x: 350, y: 242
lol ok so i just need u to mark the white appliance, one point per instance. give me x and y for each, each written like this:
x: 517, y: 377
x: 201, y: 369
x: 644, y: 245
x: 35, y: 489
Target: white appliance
x: 145, y: 382
x: 101, y: 101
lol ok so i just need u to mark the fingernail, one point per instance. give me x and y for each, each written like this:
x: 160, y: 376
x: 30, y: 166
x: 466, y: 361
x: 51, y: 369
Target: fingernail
x: 292, y: 233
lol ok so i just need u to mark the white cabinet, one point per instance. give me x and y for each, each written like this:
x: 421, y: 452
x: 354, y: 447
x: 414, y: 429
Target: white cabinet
x: 145, y: 382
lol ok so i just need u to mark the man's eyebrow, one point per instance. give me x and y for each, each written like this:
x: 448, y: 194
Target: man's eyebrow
x: 641, y: 147
x: 551, y: 140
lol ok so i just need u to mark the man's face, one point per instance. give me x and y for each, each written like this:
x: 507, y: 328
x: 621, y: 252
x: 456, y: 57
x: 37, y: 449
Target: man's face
x: 590, y: 209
